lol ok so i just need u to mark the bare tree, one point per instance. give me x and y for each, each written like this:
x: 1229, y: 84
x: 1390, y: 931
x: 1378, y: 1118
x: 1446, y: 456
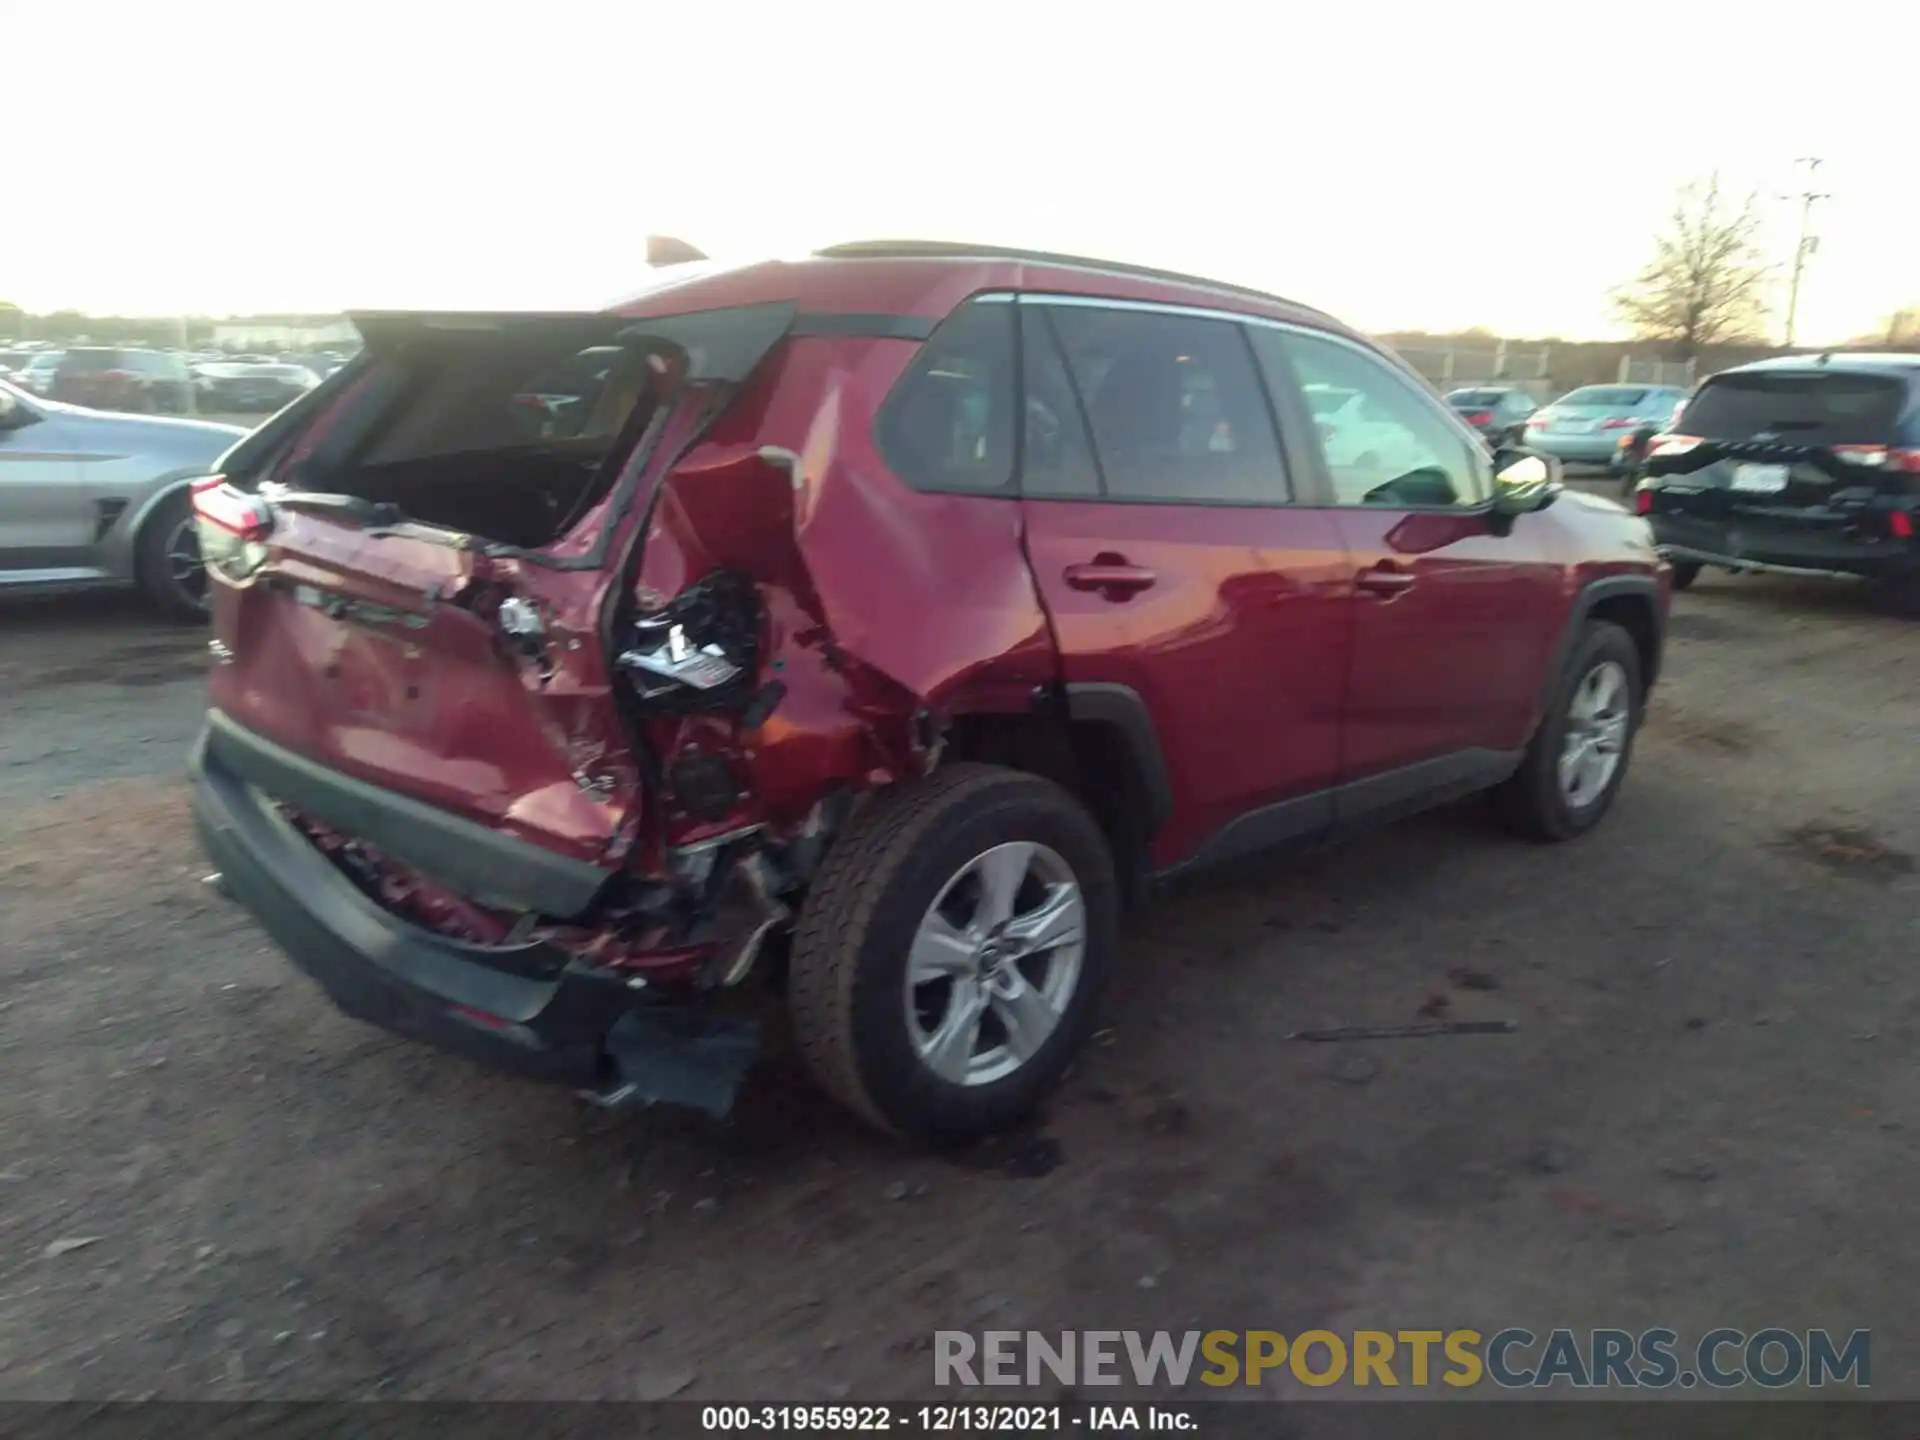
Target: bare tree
x: 1707, y: 280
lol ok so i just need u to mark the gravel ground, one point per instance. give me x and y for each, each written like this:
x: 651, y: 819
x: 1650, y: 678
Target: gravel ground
x: 212, y: 1185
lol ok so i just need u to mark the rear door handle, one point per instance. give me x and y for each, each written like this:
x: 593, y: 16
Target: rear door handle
x: 1115, y: 580
x: 1385, y: 579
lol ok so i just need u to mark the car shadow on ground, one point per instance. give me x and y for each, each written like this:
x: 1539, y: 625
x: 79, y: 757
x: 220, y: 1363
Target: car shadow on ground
x: 1790, y: 596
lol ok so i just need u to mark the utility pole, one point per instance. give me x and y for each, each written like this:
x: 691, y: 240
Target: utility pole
x: 1807, y: 243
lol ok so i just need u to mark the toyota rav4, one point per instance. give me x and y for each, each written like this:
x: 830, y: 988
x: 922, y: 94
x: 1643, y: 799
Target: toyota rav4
x: 878, y: 623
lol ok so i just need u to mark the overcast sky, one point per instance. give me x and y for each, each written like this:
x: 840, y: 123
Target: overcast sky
x: 1403, y: 165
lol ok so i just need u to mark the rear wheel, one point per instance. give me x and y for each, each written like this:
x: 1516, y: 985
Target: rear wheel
x: 1578, y: 757
x: 946, y: 965
x: 167, y: 561
x: 1685, y: 572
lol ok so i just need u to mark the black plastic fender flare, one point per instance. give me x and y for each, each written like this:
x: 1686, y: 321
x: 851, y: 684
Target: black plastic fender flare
x: 1592, y: 594
x: 1120, y: 706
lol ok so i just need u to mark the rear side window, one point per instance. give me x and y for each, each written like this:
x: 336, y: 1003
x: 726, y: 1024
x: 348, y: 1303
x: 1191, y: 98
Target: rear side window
x: 1477, y: 399
x: 1175, y: 406
x: 90, y: 362
x: 1833, y: 408
x: 1613, y: 397
x: 948, y: 424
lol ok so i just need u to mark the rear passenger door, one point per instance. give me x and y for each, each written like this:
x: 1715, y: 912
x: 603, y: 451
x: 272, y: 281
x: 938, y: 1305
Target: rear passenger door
x: 1182, y: 582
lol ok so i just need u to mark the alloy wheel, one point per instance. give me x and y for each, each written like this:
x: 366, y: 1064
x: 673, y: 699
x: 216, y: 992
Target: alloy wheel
x: 995, y: 963
x: 1596, y: 737
x: 186, y: 571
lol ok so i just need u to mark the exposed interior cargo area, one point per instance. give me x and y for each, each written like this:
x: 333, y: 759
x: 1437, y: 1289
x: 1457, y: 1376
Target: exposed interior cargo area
x: 509, y: 427
x: 340, y: 530
x: 508, y: 431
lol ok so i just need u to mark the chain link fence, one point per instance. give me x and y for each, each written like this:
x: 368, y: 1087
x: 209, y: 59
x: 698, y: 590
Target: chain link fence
x: 1450, y: 367
x: 1545, y: 372
x: 1637, y: 371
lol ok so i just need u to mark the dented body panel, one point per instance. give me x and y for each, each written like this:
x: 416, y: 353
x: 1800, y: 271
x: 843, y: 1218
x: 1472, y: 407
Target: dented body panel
x: 337, y: 651
x: 882, y: 605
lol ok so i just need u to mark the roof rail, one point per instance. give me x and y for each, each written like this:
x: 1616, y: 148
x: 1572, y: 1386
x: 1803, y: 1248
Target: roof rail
x: 956, y: 249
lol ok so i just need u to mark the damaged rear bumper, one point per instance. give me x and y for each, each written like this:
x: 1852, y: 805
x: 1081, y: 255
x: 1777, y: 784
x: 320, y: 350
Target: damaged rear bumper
x: 530, y: 1009
x: 1829, y: 549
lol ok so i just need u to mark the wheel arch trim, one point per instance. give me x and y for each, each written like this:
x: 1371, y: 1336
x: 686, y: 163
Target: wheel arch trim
x: 1122, y: 708
x: 1592, y: 594
x: 164, y: 489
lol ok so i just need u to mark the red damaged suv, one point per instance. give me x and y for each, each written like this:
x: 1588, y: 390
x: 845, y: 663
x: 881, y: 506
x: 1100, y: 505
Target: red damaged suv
x: 876, y: 624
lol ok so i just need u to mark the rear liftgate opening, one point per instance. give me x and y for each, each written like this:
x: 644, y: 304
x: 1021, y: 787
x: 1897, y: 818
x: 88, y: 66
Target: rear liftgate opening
x: 567, y: 485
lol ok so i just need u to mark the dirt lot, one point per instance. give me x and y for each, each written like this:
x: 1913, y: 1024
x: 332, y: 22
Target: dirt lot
x: 211, y: 1185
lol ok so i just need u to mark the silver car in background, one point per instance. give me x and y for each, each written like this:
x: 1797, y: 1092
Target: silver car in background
x: 36, y: 375
x: 89, y: 498
x: 1585, y: 425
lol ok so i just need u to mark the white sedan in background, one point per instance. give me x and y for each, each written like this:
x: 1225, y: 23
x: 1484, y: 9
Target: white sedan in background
x: 1359, y: 438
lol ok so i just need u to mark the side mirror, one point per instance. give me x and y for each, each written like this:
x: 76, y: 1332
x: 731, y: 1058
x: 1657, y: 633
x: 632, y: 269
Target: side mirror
x: 1523, y: 481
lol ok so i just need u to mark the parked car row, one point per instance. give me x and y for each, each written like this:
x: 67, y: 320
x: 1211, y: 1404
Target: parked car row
x: 1588, y: 426
x: 140, y: 380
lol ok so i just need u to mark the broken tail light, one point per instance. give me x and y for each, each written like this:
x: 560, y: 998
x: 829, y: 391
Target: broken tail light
x: 233, y: 526
x: 1665, y: 446
x: 699, y: 651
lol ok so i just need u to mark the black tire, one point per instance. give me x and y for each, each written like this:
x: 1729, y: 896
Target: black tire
x: 847, y: 980
x: 1685, y: 572
x: 153, y: 565
x: 1531, y: 801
